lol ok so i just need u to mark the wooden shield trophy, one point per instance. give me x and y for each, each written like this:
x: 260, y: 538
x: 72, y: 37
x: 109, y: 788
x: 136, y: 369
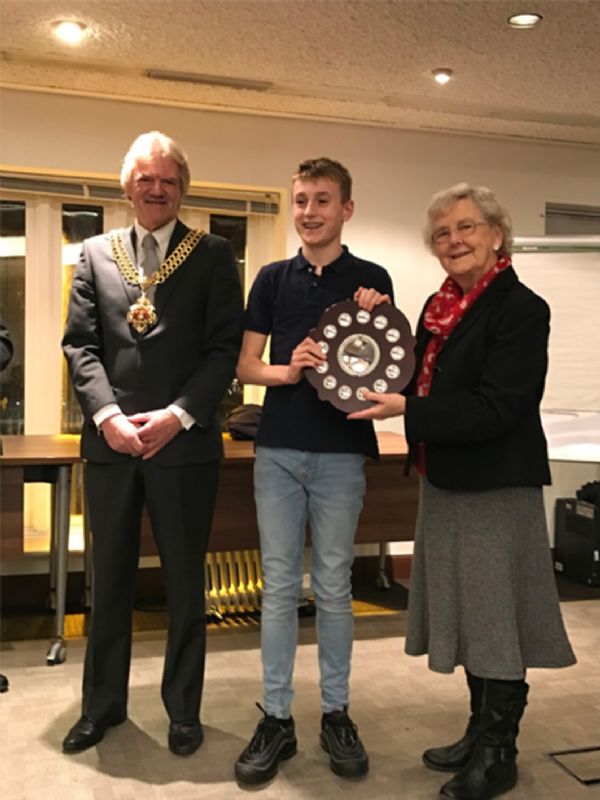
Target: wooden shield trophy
x: 363, y: 349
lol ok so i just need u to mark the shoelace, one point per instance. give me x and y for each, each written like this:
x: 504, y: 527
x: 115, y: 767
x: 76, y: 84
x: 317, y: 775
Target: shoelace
x: 345, y: 729
x: 264, y: 730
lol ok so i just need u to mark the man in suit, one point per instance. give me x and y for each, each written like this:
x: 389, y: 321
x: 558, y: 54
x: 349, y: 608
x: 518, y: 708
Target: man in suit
x: 152, y: 339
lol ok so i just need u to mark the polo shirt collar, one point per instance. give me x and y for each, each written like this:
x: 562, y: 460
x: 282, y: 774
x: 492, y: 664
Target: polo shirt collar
x: 339, y: 265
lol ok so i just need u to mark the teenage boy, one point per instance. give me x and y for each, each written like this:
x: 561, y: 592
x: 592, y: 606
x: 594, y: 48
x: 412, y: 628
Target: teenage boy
x: 309, y: 467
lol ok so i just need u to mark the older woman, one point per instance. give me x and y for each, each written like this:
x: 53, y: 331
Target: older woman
x: 482, y: 589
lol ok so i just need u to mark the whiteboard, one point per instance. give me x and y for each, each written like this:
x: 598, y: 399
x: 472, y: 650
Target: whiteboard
x: 570, y: 283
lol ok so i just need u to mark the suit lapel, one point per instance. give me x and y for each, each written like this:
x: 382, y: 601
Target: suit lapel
x: 165, y: 290
x: 499, y: 286
x: 128, y: 237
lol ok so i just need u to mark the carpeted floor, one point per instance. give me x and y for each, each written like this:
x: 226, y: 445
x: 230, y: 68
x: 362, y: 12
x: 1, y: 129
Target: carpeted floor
x: 401, y: 708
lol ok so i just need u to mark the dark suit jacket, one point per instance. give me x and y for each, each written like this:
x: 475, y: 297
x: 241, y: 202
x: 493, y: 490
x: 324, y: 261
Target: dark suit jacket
x: 481, y: 423
x: 188, y: 358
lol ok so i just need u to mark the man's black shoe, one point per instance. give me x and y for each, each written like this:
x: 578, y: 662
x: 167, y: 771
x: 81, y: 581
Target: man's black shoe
x: 185, y: 737
x: 274, y: 740
x: 339, y: 738
x: 86, y: 733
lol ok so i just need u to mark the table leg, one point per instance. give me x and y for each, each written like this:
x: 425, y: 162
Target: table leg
x: 57, y: 651
x: 382, y: 580
x: 53, y: 549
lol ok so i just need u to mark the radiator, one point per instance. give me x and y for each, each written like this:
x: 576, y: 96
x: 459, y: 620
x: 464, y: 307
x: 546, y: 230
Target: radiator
x: 233, y: 582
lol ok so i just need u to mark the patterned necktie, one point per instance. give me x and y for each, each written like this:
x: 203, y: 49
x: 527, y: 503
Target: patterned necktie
x: 150, y: 262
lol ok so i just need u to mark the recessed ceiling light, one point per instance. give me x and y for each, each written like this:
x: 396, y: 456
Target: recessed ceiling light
x: 525, y: 20
x: 69, y: 31
x: 442, y: 76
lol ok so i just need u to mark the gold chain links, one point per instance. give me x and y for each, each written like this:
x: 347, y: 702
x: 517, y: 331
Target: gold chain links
x: 166, y: 269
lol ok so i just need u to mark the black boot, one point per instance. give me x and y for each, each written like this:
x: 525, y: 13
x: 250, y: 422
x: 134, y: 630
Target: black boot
x: 492, y: 770
x: 455, y: 756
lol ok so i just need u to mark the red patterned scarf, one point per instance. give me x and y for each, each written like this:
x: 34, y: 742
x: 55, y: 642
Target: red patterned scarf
x: 443, y: 313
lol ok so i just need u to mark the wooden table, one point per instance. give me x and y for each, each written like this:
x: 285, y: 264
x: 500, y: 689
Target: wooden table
x: 388, y: 515
x: 47, y: 459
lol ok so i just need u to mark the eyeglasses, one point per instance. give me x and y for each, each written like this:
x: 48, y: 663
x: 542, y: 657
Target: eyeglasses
x: 465, y: 228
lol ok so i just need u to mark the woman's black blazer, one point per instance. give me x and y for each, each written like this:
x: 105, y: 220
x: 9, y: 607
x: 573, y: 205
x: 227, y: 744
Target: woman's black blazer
x: 481, y: 422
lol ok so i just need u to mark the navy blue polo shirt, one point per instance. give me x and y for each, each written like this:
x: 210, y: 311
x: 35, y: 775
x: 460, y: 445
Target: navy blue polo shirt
x: 287, y: 299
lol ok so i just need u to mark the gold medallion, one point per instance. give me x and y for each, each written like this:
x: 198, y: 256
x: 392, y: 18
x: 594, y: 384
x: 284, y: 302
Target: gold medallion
x: 142, y: 314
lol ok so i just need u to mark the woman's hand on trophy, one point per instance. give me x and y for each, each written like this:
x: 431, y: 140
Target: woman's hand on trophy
x: 386, y: 405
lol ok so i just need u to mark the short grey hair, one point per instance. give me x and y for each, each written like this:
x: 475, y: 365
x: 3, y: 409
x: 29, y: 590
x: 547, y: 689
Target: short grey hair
x: 484, y: 199
x: 153, y: 143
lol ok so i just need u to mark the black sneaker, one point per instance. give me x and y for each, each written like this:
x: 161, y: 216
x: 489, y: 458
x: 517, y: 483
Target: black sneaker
x: 273, y: 741
x: 339, y: 737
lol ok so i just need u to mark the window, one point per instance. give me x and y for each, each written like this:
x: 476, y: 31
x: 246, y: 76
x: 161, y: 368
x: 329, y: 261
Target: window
x: 565, y: 271
x: 49, y: 218
x: 234, y: 229
x: 12, y: 311
x: 78, y: 223
x: 567, y: 220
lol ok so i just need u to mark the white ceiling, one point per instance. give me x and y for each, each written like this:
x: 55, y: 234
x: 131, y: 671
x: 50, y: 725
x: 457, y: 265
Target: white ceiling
x: 358, y: 61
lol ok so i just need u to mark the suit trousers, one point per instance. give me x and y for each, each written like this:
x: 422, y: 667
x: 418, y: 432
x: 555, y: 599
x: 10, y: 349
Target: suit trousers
x: 180, y: 502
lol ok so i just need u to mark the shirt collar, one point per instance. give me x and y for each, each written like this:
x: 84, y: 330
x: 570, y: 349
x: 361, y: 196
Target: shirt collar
x: 162, y: 236
x: 339, y: 265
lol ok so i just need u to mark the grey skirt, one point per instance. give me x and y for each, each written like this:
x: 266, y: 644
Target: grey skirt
x: 482, y: 588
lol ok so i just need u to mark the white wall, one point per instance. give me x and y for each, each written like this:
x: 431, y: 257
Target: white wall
x: 395, y: 172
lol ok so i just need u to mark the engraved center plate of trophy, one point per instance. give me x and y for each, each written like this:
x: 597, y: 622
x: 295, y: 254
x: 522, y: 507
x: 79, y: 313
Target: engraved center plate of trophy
x: 371, y: 350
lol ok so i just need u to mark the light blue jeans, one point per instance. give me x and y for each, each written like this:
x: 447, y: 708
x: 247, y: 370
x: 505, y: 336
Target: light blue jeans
x: 327, y: 489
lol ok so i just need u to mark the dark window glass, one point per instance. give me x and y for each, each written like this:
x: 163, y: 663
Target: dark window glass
x: 234, y: 229
x: 12, y: 311
x: 79, y: 222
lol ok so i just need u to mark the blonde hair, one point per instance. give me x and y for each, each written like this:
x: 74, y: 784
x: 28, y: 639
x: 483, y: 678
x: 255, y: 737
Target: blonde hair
x: 153, y: 143
x: 484, y: 199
